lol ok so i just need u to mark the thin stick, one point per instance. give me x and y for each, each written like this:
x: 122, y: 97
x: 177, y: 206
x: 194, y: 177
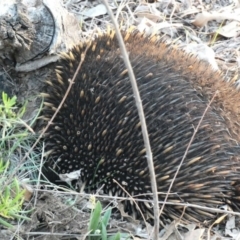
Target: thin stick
x: 142, y: 120
x: 185, y: 154
x: 64, y: 191
x: 39, y: 177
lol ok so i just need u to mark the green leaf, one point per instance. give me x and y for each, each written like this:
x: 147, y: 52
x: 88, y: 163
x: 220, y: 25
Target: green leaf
x: 106, y: 216
x: 104, y: 232
x: 95, y: 217
x: 6, y: 224
x: 3, y: 165
x: 6, y: 195
x: 18, y: 216
x: 12, y: 101
x: 4, y: 97
x: 8, y: 102
x: 115, y: 237
x: 22, y: 110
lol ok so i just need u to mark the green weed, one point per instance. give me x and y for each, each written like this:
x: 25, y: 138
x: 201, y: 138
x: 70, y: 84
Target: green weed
x: 98, y: 225
x: 12, y: 134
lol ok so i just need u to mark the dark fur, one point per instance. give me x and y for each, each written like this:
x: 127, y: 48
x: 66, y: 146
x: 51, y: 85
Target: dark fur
x: 175, y: 89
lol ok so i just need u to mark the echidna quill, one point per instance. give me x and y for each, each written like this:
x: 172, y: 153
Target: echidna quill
x: 98, y: 131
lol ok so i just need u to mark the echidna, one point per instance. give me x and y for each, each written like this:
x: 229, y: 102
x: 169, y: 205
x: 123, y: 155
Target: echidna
x: 98, y: 131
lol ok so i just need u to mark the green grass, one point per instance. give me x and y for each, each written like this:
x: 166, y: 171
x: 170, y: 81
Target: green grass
x: 11, y: 198
x: 14, y: 139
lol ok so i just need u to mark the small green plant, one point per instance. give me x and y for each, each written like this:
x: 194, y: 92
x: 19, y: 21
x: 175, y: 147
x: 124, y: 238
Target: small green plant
x: 11, y: 198
x: 7, y: 107
x: 98, y: 224
x: 12, y: 134
x: 9, y: 117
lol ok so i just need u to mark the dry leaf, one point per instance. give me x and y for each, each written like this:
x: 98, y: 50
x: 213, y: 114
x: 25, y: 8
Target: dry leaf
x: 194, y: 234
x: 126, y: 215
x: 148, y: 11
x: 202, y: 18
x: 68, y: 177
x: 217, y: 221
x: 28, y: 191
x: 230, y: 30
x: 96, y: 11
x: 172, y: 232
x: 230, y: 229
x: 151, y: 27
x: 203, y: 52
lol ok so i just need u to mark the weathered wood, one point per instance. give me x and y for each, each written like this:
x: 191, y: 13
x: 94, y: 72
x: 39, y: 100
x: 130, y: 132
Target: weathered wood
x: 31, y: 30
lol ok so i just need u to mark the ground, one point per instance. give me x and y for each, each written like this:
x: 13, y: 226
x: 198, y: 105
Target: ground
x: 202, y: 28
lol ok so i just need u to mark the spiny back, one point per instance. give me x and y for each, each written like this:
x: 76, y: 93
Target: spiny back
x: 98, y: 131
